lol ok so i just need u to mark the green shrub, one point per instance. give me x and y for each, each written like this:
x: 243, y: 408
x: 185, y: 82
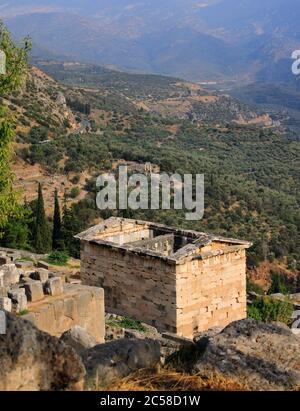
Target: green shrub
x: 131, y: 324
x: 58, y: 258
x: 75, y: 179
x: 127, y: 323
x: 268, y: 309
x: 279, y: 284
x: 23, y: 312
x: 254, y: 288
x: 74, y: 192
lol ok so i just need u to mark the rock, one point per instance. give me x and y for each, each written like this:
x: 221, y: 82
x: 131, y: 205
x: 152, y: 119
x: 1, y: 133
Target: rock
x: 14, y: 256
x: 40, y: 275
x: 26, y: 280
x: 203, y: 339
x: 295, y: 297
x: 5, y: 260
x: 278, y: 296
x: 24, y: 264
x: 32, y: 360
x: 78, y: 338
x: 54, y: 286
x: 79, y: 305
x: 19, y: 299
x: 43, y: 264
x: 263, y: 356
x: 11, y: 274
x: 74, y: 281
x: 3, y: 291
x: 117, y: 359
x: 1, y: 279
x: 34, y: 291
x: 5, y: 304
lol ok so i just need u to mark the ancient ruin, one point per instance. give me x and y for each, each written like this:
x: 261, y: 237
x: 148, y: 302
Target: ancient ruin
x: 44, y: 298
x: 179, y: 281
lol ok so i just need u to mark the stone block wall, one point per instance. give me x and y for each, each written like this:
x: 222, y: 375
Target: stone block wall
x: 135, y: 285
x: 79, y: 305
x: 183, y: 282
x: 164, y: 244
x: 183, y: 298
x: 125, y: 232
x: 211, y: 292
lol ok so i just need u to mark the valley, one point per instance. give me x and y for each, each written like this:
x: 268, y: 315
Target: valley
x: 94, y: 118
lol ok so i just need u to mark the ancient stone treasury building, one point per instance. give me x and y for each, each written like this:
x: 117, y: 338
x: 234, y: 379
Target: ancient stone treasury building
x: 181, y: 282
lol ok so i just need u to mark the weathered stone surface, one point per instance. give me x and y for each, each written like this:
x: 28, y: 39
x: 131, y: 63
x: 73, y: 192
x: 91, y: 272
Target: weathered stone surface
x: 43, y: 264
x: 263, y: 356
x: 5, y: 260
x: 32, y: 360
x: 11, y: 274
x: 54, y: 286
x: 34, y: 291
x: 1, y: 279
x: 3, y: 291
x: 5, y: 304
x: 201, y: 278
x: 117, y: 359
x: 40, y: 275
x: 24, y: 264
x: 74, y: 281
x: 19, y: 299
x: 78, y: 338
x: 79, y: 305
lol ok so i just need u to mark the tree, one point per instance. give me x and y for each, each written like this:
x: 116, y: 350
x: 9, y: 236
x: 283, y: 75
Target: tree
x: 41, y: 234
x: 16, y: 68
x: 71, y: 225
x: 56, y: 233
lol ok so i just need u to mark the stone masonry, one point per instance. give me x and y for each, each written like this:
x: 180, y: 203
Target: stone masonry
x: 182, y: 282
x: 44, y: 298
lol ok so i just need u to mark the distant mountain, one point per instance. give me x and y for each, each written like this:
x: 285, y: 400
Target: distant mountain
x: 194, y: 39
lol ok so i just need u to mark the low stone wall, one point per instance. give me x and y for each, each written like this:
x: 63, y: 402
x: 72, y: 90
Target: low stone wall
x: 79, y: 305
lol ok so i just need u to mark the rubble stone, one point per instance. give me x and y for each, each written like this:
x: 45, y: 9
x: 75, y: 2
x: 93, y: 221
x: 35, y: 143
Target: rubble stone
x: 3, y: 291
x: 5, y: 304
x: 41, y: 275
x: 108, y: 362
x: 78, y: 338
x: 54, y: 286
x: 19, y: 299
x: 34, y: 291
x: 5, y: 260
x: 11, y: 274
x: 43, y: 264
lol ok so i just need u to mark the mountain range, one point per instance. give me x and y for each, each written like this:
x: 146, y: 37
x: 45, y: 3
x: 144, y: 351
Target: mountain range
x: 194, y: 39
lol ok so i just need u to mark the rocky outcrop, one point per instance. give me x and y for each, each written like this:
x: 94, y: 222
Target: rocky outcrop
x: 263, y: 356
x: 108, y: 362
x: 33, y: 360
x: 78, y: 338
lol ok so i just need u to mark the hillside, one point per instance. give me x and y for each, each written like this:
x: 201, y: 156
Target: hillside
x: 105, y: 118
x: 166, y: 96
x: 215, y: 39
